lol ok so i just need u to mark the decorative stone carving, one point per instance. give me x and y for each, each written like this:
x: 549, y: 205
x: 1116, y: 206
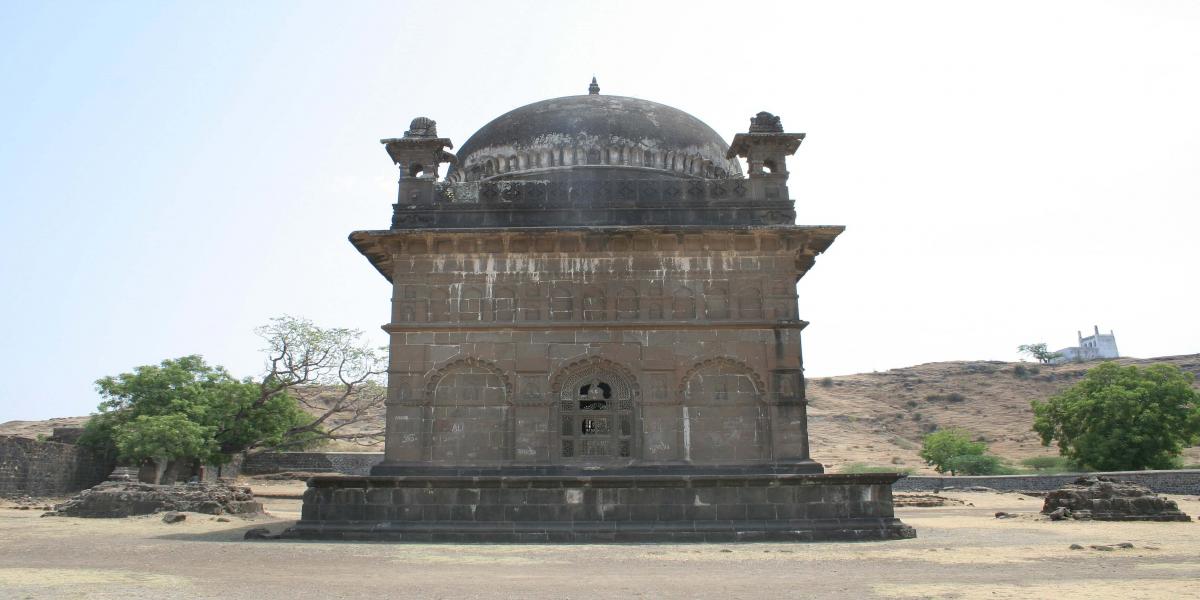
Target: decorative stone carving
x: 420, y: 152
x: 422, y: 127
x: 470, y: 362
x: 531, y: 391
x: 765, y: 122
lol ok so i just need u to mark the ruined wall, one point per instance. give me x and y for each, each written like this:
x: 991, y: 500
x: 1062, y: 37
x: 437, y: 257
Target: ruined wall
x: 1163, y: 482
x: 30, y: 467
x: 348, y: 463
x: 694, y: 338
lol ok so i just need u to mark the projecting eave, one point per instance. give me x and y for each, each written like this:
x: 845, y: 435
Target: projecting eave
x: 805, y: 242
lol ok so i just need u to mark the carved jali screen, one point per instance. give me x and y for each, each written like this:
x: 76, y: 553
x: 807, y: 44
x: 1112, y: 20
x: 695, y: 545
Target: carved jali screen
x: 596, y: 420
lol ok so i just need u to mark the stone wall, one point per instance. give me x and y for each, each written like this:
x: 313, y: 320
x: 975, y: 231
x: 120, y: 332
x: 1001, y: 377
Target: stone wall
x: 1163, y: 482
x: 346, y: 463
x: 694, y: 338
x: 34, y: 468
x: 649, y: 508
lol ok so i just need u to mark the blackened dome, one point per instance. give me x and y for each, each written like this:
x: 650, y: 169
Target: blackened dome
x: 594, y: 133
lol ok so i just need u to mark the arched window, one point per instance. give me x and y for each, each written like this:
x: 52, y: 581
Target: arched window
x: 716, y: 302
x: 683, y: 305
x: 562, y: 305
x: 750, y: 304
x: 531, y: 303
x: 439, y: 306
x: 627, y: 304
x: 470, y: 305
x: 594, y: 304
x: 504, y: 305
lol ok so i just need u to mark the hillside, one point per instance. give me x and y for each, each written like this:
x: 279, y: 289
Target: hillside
x: 879, y: 418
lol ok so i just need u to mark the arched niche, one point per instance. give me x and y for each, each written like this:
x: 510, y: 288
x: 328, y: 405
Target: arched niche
x: 726, y: 413
x: 467, y: 418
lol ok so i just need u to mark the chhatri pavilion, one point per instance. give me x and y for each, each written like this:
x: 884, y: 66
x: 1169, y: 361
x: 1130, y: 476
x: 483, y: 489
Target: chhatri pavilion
x: 594, y: 336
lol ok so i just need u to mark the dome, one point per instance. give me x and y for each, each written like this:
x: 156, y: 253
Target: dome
x: 598, y: 134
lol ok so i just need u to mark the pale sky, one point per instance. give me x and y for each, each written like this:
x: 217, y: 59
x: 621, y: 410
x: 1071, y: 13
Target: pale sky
x: 174, y: 174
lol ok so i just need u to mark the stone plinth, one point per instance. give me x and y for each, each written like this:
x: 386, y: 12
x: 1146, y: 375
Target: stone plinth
x: 657, y: 507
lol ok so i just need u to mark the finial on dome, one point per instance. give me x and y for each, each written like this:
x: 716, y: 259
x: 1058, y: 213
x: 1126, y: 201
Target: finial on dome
x: 594, y: 89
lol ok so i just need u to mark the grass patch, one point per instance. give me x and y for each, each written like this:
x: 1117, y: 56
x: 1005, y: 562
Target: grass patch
x: 858, y: 468
x: 1050, y: 464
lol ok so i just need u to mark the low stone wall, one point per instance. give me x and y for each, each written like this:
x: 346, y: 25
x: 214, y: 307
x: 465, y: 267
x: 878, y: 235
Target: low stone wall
x: 34, y: 468
x: 346, y: 463
x: 1162, y: 482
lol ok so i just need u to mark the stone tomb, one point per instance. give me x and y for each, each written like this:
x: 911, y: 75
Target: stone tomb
x: 594, y: 337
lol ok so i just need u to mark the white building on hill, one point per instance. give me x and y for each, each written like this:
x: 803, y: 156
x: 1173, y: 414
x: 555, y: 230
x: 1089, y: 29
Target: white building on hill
x: 1091, y: 347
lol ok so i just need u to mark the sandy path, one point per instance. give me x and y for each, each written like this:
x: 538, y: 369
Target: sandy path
x: 962, y: 552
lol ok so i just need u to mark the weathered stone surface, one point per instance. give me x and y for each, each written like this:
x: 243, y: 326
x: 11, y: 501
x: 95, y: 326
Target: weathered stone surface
x: 1107, y: 499
x: 113, y: 499
x: 595, y: 337
x: 259, y: 533
x: 173, y: 517
x: 602, y: 507
x: 36, y: 468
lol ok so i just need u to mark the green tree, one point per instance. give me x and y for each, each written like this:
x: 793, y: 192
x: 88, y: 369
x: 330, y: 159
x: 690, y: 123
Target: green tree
x: 186, y: 412
x: 1038, y: 352
x: 173, y: 437
x: 939, y: 448
x: 1122, y: 418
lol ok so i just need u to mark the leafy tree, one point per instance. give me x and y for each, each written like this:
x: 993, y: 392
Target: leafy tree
x: 1038, y: 352
x: 172, y: 436
x: 186, y: 411
x: 940, y: 447
x: 1123, y: 418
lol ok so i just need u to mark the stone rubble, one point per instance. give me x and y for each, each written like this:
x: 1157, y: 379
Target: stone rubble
x: 115, y: 499
x: 1102, y: 498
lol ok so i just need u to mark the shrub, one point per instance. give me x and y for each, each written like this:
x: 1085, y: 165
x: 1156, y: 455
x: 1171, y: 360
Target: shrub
x: 1021, y: 372
x: 976, y: 464
x: 858, y: 467
x: 916, y: 416
x: 939, y: 448
x: 911, y: 404
x: 1050, y: 464
x: 951, y: 397
x: 827, y: 382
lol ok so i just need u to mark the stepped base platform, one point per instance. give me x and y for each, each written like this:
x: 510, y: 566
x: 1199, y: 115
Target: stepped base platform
x: 686, y: 505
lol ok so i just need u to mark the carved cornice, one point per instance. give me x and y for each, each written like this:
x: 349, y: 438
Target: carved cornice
x: 802, y: 242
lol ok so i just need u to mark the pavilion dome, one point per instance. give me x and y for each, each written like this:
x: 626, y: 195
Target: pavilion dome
x: 594, y: 136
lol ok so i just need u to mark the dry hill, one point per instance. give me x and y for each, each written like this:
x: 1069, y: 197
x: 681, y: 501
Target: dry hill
x: 879, y: 418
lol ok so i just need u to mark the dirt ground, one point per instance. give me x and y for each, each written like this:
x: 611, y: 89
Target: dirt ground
x: 962, y: 551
